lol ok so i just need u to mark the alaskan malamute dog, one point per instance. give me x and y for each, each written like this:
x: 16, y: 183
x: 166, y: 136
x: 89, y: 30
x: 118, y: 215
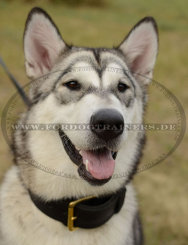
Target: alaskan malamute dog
x: 72, y: 186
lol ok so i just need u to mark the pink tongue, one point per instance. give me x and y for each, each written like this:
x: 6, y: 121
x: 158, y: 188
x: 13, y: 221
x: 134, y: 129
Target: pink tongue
x: 100, y: 165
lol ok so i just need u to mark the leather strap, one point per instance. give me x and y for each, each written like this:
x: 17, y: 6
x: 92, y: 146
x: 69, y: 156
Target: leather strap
x: 90, y: 214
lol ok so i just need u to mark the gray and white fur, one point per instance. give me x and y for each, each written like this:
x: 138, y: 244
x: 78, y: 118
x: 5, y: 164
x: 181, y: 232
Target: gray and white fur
x: 131, y: 63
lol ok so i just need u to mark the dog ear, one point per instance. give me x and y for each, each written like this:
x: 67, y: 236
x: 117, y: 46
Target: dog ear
x: 42, y: 43
x: 140, y: 49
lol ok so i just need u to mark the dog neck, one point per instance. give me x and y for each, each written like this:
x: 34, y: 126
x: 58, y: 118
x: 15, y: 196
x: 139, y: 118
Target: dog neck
x: 86, y: 212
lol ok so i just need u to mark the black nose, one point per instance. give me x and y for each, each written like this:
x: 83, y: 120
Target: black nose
x: 107, y: 124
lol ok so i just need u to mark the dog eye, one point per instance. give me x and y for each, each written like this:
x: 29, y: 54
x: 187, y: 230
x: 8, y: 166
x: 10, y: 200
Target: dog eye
x: 122, y: 87
x: 72, y: 85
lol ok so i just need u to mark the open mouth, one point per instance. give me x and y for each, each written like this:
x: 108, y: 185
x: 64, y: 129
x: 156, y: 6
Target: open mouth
x: 95, y: 166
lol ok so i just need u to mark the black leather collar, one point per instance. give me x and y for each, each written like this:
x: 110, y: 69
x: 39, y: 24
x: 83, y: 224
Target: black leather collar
x: 89, y: 213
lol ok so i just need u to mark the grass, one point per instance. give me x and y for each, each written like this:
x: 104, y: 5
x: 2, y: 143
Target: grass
x: 162, y: 190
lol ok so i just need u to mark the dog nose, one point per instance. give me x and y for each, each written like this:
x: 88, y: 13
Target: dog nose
x: 107, y: 124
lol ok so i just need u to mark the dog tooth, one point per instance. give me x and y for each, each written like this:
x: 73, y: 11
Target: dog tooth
x: 86, y: 164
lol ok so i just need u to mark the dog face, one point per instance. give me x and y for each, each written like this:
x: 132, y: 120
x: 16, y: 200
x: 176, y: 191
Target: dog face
x: 92, y: 94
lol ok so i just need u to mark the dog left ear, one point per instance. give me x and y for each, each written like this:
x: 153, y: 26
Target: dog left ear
x: 43, y: 43
x: 140, y: 49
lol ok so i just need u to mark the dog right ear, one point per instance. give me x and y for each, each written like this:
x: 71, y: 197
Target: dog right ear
x: 43, y: 43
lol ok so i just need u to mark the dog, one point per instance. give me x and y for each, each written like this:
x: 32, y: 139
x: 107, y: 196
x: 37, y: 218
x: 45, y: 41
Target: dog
x: 72, y: 184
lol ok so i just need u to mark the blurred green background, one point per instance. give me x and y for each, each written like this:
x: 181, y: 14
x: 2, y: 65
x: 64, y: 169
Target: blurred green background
x: 163, y: 189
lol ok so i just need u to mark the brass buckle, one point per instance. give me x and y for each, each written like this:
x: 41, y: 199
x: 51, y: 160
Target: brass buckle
x: 71, y: 216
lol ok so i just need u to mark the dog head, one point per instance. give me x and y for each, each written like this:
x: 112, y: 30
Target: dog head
x: 92, y: 94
